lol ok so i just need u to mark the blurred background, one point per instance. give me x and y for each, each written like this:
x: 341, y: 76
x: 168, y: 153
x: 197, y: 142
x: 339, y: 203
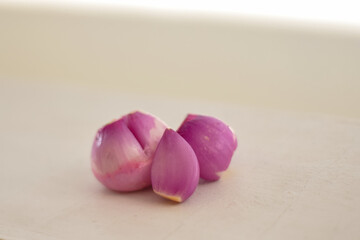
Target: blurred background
x: 69, y: 67
x: 283, y: 55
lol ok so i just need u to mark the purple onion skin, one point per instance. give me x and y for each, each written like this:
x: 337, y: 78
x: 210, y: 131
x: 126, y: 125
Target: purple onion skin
x: 123, y: 150
x: 175, y: 170
x: 213, y: 142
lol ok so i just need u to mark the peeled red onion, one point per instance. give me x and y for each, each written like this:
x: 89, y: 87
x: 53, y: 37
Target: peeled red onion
x: 123, y: 150
x: 213, y: 142
x: 175, y: 170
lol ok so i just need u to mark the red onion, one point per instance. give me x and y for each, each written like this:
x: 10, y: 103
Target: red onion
x: 123, y: 150
x: 175, y: 170
x: 212, y: 141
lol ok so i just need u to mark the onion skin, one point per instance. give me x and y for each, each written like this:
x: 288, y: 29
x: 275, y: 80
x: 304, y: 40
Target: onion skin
x: 123, y: 150
x: 213, y: 142
x: 175, y: 170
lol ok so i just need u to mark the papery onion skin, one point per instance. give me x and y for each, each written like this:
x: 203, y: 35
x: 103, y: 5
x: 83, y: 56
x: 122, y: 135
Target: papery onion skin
x: 213, y: 142
x: 123, y: 150
x: 175, y: 170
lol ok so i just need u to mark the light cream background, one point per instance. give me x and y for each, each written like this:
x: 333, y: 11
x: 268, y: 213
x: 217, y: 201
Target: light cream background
x: 293, y: 176
x: 64, y: 73
x: 249, y: 61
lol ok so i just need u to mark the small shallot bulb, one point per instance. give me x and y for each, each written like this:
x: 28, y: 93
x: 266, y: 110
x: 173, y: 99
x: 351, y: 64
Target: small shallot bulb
x: 213, y: 142
x: 175, y: 169
x: 123, y: 150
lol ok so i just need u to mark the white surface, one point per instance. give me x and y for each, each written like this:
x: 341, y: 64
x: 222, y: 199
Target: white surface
x: 293, y: 176
x: 333, y: 11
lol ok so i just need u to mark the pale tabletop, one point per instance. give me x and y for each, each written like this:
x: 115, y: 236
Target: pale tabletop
x: 293, y: 176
